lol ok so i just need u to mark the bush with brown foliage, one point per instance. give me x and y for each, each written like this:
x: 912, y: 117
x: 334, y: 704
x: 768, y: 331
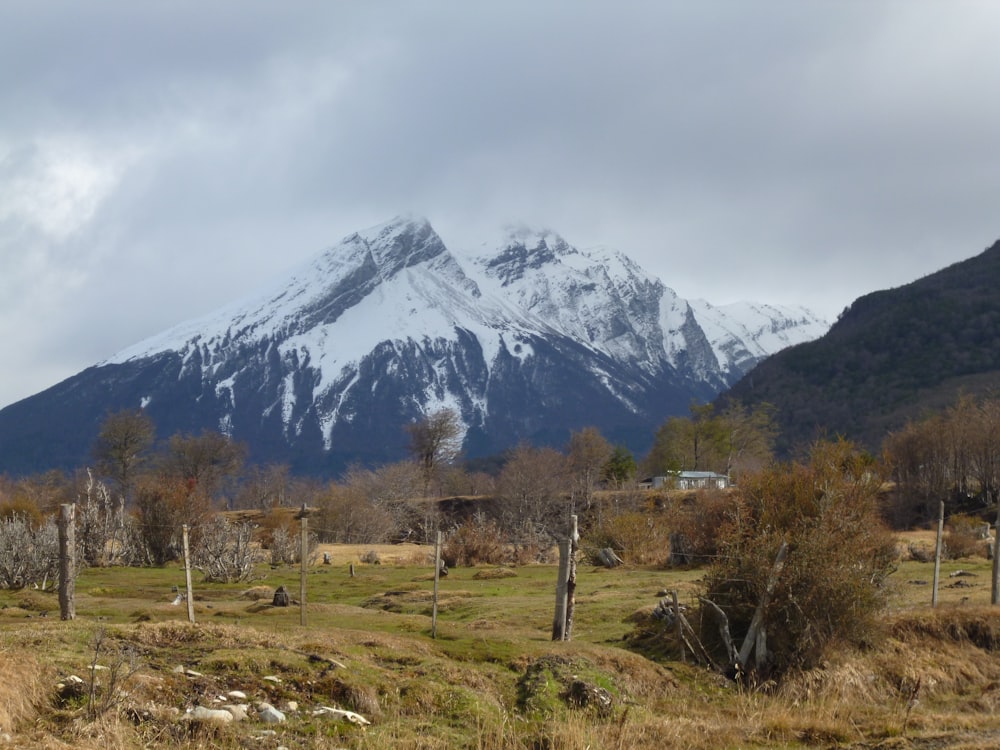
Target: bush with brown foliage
x: 695, y: 522
x: 839, y: 555
x: 476, y: 542
x: 639, y: 538
x: 964, y: 537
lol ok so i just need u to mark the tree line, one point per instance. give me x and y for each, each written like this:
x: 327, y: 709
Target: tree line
x: 796, y: 555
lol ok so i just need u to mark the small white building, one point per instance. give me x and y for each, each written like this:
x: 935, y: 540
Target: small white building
x: 689, y: 480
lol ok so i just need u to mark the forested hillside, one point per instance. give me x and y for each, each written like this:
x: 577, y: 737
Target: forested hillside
x: 891, y: 356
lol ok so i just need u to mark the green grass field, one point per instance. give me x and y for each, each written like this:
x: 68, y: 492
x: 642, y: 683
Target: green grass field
x: 491, y: 679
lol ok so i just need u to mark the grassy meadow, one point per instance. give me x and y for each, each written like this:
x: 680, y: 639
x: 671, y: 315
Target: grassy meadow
x: 492, y: 678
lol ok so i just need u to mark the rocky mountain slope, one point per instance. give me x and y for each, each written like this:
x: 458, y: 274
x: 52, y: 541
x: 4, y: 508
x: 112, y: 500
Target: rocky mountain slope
x: 525, y: 340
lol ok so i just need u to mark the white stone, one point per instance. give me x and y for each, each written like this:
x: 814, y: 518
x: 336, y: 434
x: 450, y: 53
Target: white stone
x: 272, y: 678
x: 291, y: 706
x: 238, y: 710
x: 238, y: 695
x: 269, y: 714
x: 200, y: 713
x: 339, y: 713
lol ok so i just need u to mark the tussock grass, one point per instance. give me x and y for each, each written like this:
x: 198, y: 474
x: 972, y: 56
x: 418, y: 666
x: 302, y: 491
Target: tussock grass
x: 23, y: 688
x: 492, y: 679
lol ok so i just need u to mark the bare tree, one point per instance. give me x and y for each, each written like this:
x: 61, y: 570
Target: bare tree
x: 205, y: 462
x: 100, y: 522
x: 586, y: 455
x: 123, y: 446
x: 162, y: 506
x: 530, y: 489
x: 28, y: 554
x: 435, y: 440
x: 225, y: 552
x: 348, y: 515
x: 265, y: 487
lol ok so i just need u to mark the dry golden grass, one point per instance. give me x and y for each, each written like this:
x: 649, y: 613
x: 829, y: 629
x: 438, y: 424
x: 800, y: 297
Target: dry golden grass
x: 389, y: 554
x: 23, y: 687
x: 467, y: 688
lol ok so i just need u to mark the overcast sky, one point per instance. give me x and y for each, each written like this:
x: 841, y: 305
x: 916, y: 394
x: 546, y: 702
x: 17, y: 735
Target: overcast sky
x: 159, y: 159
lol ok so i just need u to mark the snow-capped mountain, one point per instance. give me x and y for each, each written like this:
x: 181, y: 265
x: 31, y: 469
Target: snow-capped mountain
x: 526, y: 338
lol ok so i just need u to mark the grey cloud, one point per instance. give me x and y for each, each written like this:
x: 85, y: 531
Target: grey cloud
x: 781, y: 151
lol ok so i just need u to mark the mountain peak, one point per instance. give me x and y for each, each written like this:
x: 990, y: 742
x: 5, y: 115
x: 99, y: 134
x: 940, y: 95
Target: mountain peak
x: 523, y: 249
x: 528, y: 342
x: 402, y: 242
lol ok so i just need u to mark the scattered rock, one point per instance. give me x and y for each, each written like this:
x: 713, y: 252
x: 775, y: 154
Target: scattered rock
x: 269, y: 714
x: 281, y: 597
x: 290, y: 707
x: 70, y: 688
x: 237, y: 695
x: 609, y: 558
x: 216, y: 715
x: 582, y: 695
x: 960, y: 585
x: 342, y: 715
x: 272, y: 678
x: 238, y: 710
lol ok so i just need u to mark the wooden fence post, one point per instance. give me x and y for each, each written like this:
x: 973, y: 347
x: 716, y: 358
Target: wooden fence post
x: 67, y: 561
x: 574, y: 545
x: 187, y: 572
x: 437, y: 577
x: 995, y: 589
x: 559, y: 621
x: 303, y: 517
x: 680, y: 626
x: 937, y: 555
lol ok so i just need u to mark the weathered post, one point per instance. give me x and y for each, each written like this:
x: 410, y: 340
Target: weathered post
x: 995, y: 593
x: 187, y: 572
x: 303, y: 517
x: 437, y: 577
x: 559, y: 621
x: 67, y: 561
x: 937, y: 555
x: 679, y: 626
x: 574, y: 545
x: 756, y: 635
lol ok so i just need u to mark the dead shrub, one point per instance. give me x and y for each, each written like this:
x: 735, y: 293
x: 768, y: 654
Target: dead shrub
x: 963, y: 537
x: 476, y: 542
x: 695, y: 524
x: 638, y: 538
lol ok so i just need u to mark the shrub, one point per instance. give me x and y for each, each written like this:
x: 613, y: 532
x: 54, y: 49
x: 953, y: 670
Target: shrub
x: 225, y: 552
x: 964, y: 538
x: 28, y: 554
x: 838, y: 557
x: 638, y: 538
x: 477, y: 541
x: 696, y: 520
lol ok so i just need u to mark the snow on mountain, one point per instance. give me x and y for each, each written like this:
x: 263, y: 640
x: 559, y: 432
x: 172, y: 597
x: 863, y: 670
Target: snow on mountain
x: 743, y: 333
x: 526, y: 337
